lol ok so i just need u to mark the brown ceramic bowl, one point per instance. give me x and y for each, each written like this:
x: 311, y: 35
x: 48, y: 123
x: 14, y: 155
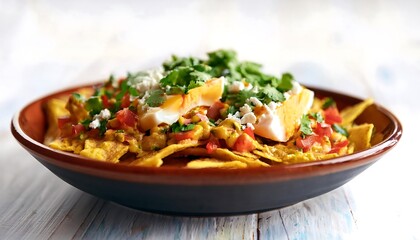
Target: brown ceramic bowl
x: 180, y: 191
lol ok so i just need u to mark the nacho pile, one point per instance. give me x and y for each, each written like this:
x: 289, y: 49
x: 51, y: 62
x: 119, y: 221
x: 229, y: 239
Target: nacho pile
x: 217, y: 112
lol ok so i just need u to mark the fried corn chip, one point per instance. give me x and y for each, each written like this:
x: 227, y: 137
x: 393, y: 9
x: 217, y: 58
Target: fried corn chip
x: 55, y: 109
x: 108, y: 151
x: 67, y: 144
x: 154, y: 159
x: 225, y: 154
x: 349, y: 114
x: 215, y: 163
x: 361, y: 135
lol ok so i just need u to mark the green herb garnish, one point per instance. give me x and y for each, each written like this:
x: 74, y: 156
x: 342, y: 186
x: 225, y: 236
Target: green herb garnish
x: 305, y: 125
x: 328, y: 102
x: 156, y: 98
x: 94, y: 105
x: 177, y: 127
x: 318, y: 117
x: 341, y: 130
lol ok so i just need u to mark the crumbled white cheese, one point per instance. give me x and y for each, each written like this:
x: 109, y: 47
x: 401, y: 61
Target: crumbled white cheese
x: 94, y: 124
x: 233, y: 117
x: 255, y: 101
x: 147, y: 80
x: 236, y: 86
x: 249, y: 118
x: 250, y: 125
x: 105, y: 114
x: 245, y: 109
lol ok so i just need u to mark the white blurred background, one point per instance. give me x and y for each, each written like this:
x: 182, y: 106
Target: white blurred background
x: 47, y: 45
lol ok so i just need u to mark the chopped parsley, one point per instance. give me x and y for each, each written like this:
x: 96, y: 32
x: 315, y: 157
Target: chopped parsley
x: 156, y: 98
x: 93, y: 105
x: 183, y: 78
x: 318, y: 117
x: 305, y: 125
x: 328, y: 102
x: 341, y: 130
x: 177, y: 127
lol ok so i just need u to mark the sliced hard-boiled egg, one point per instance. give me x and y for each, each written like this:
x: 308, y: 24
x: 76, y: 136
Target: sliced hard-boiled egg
x: 280, y: 124
x: 177, y: 105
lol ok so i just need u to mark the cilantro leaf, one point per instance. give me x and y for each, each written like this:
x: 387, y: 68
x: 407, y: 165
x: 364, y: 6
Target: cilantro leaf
x: 177, y: 127
x: 156, y: 98
x: 93, y: 105
x: 318, y: 117
x: 268, y: 94
x: 243, y: 96
x: 305, y: 125
x: 78, y: 97
x: 341, y: 130
x: 178, y: 62
x: 285, y: 83
x: 133, y: 91
x: 328, y: 102
x: 186, y: 78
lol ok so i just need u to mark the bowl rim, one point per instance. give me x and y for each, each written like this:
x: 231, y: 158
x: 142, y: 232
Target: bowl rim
x: 177, y: 175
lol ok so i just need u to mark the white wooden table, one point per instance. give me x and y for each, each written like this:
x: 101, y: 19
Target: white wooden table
x: 48, y: 45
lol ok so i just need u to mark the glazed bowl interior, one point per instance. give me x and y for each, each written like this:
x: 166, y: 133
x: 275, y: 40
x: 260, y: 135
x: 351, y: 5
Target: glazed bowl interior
x: 177, y: 190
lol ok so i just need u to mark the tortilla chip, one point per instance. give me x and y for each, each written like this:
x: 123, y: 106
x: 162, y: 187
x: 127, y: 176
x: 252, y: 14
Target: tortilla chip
x: 154, y: 159
x: 107, y: 151
x: 55, y: 108
x: 215, y: 163
x: 361, y: 135
x: 349, y: 114
x: 67, y: 144
x: 225, y: 154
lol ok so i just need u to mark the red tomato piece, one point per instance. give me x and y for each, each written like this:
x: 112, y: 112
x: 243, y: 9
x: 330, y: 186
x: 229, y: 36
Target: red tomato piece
x: 125, y: 101
x: 250, y: 132
x: 62, y: 121
x: 338, y: 146
x: 184, y: 135
x: 214, y: 110
x: 77, y: 129
x: 212, y: 145
x: 127, y: 117
x: 105, y: 101
x: 332, y: 115
x: 306, y: 143
x: 244, y: 143
x: 323, y: 129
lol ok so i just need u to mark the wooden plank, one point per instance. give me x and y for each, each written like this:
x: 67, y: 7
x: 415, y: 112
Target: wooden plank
x: 325, y: 217
x: 271, y: 226
x: 114, y: 221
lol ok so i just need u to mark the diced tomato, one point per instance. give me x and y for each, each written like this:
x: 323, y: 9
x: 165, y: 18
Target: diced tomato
x: 93, y: 133
x: 77, y: 129
x: 184, y: 135
x: 244, y: 143
x: 214, y: 111
x: 127, y: 117
x: 105, y: 101
x: 125, y: 101
x: 331, y: 115
x: 306, y: 143
x: 338, y: 146
x: 62, y: 121
x: 212, y: 144
x: 250, y: 132
x: 323, y: 129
